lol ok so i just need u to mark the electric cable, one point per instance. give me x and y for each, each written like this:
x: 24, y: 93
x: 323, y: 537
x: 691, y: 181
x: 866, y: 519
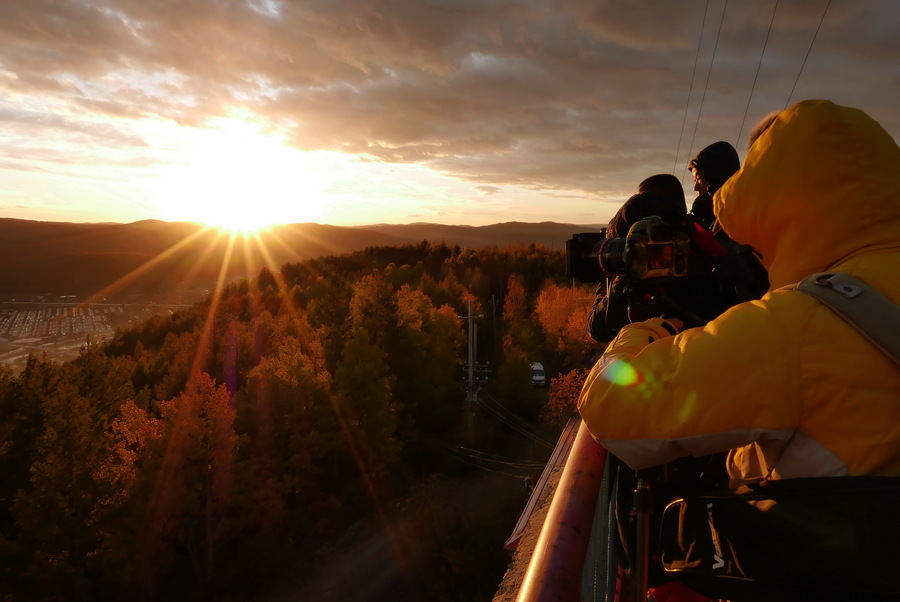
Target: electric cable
x: 756, y: 77
x: 499, y: 457
x: 706, y: 85
x: 485, y: 468
x: 485, y: 457
x: 808, y: 50
x: 478, y: 459
x: 522, y: 431
x: 512, y: 415
x: 496, y: 409
x: 691, y: 90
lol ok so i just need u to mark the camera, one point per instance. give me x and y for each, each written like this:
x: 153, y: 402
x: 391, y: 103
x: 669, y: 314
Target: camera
x: 651, y: 250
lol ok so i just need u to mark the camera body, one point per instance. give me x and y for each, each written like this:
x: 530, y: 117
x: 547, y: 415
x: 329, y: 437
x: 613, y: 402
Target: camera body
x: 652, y: 250
x: 661, y: 270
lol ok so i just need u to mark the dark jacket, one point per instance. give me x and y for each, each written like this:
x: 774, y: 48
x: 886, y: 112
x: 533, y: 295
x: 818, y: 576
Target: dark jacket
x: 721, y: 274
x: 610, y: 311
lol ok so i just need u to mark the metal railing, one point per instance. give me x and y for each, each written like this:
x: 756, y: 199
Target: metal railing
x: 555, y: 570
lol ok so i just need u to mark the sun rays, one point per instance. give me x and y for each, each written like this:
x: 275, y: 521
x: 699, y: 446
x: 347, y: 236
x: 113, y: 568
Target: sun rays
x: 205, y: 242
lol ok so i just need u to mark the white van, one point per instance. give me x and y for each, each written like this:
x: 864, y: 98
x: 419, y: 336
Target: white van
x: 538, y: 377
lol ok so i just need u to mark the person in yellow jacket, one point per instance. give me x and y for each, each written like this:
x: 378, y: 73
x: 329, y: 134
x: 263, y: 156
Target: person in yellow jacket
x: 783, y: 382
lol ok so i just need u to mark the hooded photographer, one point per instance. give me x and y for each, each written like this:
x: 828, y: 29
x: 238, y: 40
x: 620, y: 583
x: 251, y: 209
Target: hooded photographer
x: 711, y: 168
x: 783, y: 382
x: 721, y: 273
x: 660, y: 195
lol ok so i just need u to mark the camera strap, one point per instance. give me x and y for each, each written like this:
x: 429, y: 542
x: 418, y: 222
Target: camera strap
x: 870, y: 313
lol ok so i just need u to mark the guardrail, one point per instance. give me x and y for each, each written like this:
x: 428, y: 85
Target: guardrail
x: 556, y: 566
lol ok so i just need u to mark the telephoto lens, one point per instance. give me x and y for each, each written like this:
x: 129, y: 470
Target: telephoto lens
x: 582, y: 252
x: 611, y: 256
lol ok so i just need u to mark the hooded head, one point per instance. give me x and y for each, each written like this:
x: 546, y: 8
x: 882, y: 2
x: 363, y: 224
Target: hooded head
x: 643, y: 205
x: 717, y: 162
x: 667, y: 185
x: 820, y: 185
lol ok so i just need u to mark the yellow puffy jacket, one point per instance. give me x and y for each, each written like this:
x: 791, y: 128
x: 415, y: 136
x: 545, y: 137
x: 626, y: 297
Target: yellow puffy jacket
x: 783, y: 382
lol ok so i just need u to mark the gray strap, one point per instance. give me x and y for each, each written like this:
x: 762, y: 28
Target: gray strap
x: 872, y: 314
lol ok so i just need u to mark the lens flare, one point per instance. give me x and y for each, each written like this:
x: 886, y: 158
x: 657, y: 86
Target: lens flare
x: 622, y: 373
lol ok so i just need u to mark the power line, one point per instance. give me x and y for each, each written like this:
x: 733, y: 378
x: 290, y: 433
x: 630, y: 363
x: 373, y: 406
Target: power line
x: 708, y: 74
x: 478, y: 459
x: 522, y: 431
x: 486, y: 469
x: 512, y: 417
x: 755, y: 77
x: 687, y: 104
x: 808, y: 50
x: 495, y: 409
x: 494, y: 459
x: 497, y: 457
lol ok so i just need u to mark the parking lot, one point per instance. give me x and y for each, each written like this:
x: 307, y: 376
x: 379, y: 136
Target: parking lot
x: 58, y: 329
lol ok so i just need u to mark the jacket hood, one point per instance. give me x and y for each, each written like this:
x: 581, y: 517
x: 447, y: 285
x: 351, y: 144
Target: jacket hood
x: 819, y: 186
x: 642, y: 205
x: 718, y: 162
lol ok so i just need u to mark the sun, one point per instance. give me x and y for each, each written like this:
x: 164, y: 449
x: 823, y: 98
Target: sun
x: 235, y: 176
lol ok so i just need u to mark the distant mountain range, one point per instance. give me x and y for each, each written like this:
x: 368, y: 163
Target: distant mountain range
x: 57, y: 258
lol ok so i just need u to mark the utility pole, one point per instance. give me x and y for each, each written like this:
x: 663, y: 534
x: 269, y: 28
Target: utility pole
x: 471, y: 383
x: 471, y: 403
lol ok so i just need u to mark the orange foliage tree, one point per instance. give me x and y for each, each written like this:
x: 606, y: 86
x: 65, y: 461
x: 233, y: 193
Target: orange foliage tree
x: 562, y: 313
x: 563, y: 396
x: 191, y: 498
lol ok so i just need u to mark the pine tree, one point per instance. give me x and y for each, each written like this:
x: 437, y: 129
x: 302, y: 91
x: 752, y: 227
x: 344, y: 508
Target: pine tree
x: 367, y: 408
x: 61, y: 515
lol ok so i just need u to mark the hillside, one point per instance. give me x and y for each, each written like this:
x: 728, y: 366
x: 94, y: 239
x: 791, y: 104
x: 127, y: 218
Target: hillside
x: 308, y: 438
x: 55, y: 258
x: 549, y: 234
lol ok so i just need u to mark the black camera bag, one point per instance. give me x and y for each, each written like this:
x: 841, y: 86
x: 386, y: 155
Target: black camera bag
x: 831, y: 538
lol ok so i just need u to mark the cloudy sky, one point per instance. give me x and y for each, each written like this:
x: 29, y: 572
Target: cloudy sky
x: 364, y: 111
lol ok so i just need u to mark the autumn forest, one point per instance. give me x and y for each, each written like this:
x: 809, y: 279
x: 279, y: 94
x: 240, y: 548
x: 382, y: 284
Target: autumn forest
x: 214, y: 454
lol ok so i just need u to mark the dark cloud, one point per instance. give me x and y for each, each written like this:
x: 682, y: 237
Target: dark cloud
x: 579, y: 95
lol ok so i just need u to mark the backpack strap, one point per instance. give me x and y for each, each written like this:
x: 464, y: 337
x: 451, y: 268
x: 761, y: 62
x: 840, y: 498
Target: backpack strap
x: 869, y: 312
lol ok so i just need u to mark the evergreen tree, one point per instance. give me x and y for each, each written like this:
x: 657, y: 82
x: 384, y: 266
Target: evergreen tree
x: 21, y: 425
x: 426, y: 362
x: 62, y: 514
x: 368, y: 409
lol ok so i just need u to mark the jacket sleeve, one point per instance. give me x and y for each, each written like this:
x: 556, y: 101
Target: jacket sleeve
x: 596, y: 322
x: 609, y: 312
x: 653, y: 398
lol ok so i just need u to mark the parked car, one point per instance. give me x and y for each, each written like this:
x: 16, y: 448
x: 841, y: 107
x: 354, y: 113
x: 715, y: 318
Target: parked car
x: 538, y: 376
